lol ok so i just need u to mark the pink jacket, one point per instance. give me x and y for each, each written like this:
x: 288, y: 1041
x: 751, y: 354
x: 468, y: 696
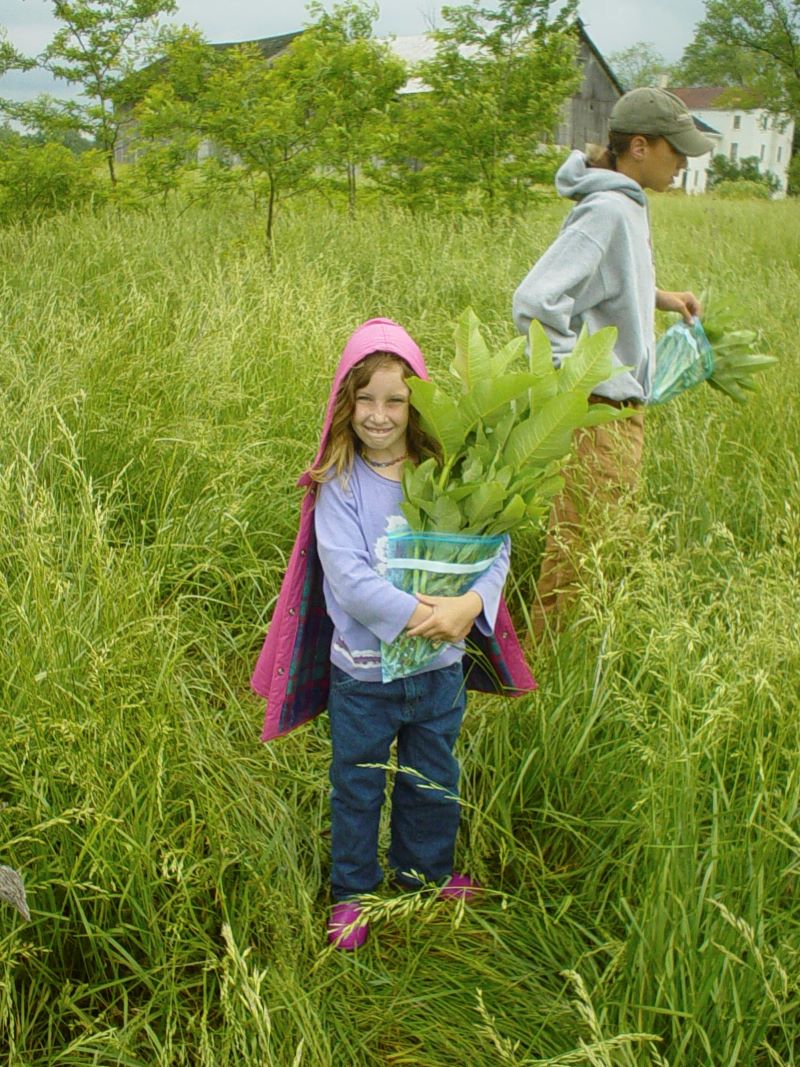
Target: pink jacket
x: 292, y: 671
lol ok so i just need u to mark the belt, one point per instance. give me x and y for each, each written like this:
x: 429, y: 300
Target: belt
x: 595, y: 398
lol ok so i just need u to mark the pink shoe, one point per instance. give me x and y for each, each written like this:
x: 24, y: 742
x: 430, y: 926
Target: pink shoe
x: 344, y: 929
x: 459, y: 887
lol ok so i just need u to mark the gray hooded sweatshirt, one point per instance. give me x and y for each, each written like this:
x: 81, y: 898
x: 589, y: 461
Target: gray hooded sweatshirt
x: 598, y: 272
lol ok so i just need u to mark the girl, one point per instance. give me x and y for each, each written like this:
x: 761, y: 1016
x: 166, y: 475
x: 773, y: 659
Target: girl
x: 354, y: 494
x: 599, y: 272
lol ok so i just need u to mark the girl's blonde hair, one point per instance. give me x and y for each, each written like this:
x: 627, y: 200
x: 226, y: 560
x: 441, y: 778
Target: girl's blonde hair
x: 340, y: 449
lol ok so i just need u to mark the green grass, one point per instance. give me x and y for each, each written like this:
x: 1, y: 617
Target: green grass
x: 636, y: 821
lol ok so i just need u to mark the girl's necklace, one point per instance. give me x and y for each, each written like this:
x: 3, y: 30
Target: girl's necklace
x: 388, y: 463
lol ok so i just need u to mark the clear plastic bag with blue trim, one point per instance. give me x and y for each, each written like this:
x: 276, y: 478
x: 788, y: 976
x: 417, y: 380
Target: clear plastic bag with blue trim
x: 684, y: 358
x: 438, y: 564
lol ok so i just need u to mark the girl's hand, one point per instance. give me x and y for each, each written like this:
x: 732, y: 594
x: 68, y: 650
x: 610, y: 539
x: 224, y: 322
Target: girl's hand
x: 685, y: 304
x: 450, y: 618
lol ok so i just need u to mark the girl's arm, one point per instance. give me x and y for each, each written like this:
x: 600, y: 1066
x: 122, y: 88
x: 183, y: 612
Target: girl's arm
x: 346, y: 562
x: 450, y: 618
x: 453, y: 617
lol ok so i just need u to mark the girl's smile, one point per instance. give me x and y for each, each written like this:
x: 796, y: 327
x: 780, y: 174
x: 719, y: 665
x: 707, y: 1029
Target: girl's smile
x: 380, y: 417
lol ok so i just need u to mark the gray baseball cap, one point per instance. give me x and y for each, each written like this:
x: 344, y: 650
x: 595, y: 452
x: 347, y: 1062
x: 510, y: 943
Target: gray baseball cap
x: 659, y: 113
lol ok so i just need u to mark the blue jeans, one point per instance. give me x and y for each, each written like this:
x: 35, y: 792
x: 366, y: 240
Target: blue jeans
x: 424, y: 713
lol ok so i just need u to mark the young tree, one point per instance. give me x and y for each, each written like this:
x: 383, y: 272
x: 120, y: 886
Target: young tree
x: 167, y: 121
x: 98, y: 47
x: 497, y: 83
x: 256, y: 113
x: 639, y: 65
x: 350, y: 80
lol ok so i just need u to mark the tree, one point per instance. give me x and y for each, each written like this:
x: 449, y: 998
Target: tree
x: 793, y: 176
x: 721, y: 169
x: 497, y: 83
x: 44, y: 179
x: 750, y: 43
x: 257, y: 114
x: 706, y: 62
x: 98, y: 47
x: 350, y: 82
x: 167, y: 120
x: 10, y: 58
x: 639, y: 65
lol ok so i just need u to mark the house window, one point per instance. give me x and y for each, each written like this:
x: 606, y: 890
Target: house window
x: 734, y: 152
x: 696, y: 178
x: 737, y: 122
x: 763, y: 122
x: 780, y: 153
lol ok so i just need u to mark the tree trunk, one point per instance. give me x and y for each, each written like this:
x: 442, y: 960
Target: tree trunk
x: 351, y: 189
x: 271, y: 219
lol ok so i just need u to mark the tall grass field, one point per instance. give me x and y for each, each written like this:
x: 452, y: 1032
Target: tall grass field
x: 636, y: 822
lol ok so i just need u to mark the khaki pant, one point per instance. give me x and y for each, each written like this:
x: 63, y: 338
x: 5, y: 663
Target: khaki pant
x: 599, y: 483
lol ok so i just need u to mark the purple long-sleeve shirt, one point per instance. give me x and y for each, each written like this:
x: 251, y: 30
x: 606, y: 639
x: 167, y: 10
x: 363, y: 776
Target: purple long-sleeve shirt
x: 365, y: 607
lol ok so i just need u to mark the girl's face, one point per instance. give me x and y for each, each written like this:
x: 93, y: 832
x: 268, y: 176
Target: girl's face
x: 380, y: 415
x: 661, y: 163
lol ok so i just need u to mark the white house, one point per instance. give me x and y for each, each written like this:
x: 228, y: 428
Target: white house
x: 740, y: 133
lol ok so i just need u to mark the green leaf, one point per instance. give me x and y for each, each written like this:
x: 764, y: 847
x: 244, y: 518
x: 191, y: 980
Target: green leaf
x: 489, y: 396
x: 459, y: 492
x: 473, y: 467
x: 441, y: 416
x: 748, y: 363
x: 418, y: 481
x: 446, y: 515
x: 513, y: 513
x: 412, y: 515
x: 482, y: 505
x: 599, y: 414
x: 546, y: 490
x: 540, y: 360
x: 590, y: 362
x: 547, y: 434
x: 504, y: 476
x: 472, y: 360
x: 508, y: 354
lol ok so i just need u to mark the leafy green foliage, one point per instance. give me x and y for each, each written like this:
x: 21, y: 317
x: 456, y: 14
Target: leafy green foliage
x: 498, y: 81
x: 721, y: 169
x: 352, y: 83
x: 742, y: 189
x: 10, y: 58
x: 638, y: 65
x: 37, y: 180
x: 257, y: 114
x: 98, y: 45
x: 757, y: 45
x: 736, y: 355
x: 506, y: 436
x: 158, y: 397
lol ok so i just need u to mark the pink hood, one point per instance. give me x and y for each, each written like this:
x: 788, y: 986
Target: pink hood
x: 376, y: 335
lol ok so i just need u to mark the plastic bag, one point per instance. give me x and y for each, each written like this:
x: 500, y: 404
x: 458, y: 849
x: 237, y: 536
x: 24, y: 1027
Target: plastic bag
x: 433, y: 563
x: 683, y: 359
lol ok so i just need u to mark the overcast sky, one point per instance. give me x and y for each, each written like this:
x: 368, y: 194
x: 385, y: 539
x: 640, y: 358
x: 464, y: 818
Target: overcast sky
x: 612, y: 24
